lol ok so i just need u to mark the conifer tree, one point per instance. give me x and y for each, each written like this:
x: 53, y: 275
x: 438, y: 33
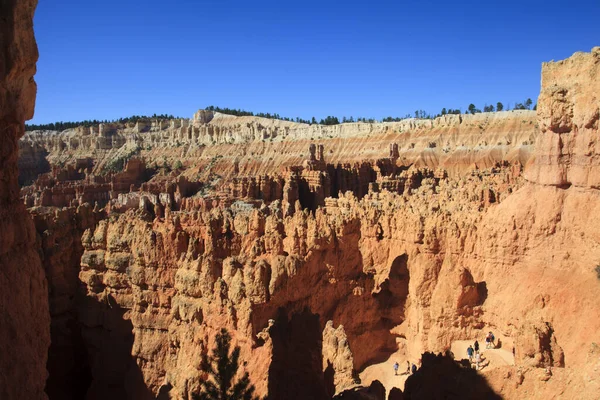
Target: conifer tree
x: 222, y: 367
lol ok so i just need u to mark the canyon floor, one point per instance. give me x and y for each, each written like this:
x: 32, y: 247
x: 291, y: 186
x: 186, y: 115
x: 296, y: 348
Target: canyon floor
x: 384, y: 371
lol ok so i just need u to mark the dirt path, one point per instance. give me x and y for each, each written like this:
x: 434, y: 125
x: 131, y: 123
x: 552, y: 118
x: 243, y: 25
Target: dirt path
x: 384, y: 372
x: 491, y: 358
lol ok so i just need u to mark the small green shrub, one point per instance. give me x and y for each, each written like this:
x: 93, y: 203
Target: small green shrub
x: 597, y: 269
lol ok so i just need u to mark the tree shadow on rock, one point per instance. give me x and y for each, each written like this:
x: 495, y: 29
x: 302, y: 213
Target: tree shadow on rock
x: 440, y: 377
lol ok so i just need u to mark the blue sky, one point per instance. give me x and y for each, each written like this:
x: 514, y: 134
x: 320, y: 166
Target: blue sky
x: 110, y: 59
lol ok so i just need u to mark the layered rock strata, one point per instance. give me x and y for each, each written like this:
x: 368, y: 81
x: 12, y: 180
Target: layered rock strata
x: 457, y: 143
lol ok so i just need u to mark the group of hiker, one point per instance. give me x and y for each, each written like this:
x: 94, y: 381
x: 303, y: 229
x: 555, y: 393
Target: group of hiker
x: 410, y: 368
x: 474, y: 353
x: 475, y: 356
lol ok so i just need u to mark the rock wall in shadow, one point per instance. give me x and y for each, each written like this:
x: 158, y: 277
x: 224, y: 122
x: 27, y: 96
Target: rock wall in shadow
x: 394, y: 291
x: 32, y: 162
x: 108, y: 337
x: 24, y: 315
x: 296, y: 367
x: 59, y: 237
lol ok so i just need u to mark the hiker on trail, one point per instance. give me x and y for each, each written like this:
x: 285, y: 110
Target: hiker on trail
x: 476, y: 346
x: 470, y: 353
x: 396, y: 365
x: 414, y: 368
x: 489, y: 340
x: 477, y: 361
x: 407, y: 367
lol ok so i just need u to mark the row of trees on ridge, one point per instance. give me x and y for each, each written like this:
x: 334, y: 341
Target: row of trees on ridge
x: 329, y: 120
x: 472, y: 109
x: 61, y: 126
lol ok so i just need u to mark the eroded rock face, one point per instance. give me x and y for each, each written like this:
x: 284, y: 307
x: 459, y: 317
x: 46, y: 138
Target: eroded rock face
x: 59, y: 231
x: 251, y: 147
x: 323, y: 258
x: 545, y: 237
x: 24, y: 316
x: 337, y: 357
x: 32, y: 162
x: 568, y: 113
x: 366, y: 264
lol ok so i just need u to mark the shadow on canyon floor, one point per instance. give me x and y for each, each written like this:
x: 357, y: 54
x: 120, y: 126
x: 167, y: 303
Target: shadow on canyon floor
x: 69, y: 375
x: 440, y: 377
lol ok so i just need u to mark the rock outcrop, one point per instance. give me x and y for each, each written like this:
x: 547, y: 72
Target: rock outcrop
x: 569, y: 109
x: 32, y: 162
x: 24, y: 316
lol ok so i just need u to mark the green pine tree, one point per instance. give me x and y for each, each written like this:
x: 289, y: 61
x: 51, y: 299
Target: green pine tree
x: 221, y: 366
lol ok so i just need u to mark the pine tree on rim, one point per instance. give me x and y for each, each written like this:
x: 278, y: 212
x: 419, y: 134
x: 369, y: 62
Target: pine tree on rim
x: 222, y: 368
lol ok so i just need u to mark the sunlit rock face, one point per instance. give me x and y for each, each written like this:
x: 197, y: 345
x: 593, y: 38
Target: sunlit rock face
x: 568, y: 113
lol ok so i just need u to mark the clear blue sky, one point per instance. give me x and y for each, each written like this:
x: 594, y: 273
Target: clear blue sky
x: 109, y: 59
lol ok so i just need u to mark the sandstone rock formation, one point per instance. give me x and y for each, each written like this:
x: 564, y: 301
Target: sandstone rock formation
x: 32, y: 162
x: 569, y: 109
x: 253, y: 146
x: 241, y: 267
x: 24, y: 316
x: 322, y: 249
